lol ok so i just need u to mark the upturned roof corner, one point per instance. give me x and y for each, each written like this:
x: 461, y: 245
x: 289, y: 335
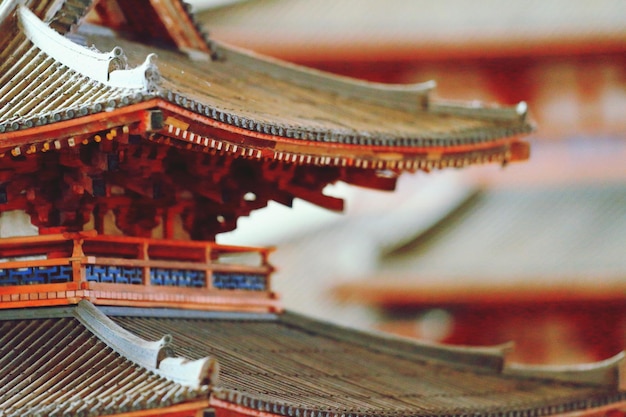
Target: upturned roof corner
x: 109, y: 68
x: 169, y: 156
x: 155, y: 356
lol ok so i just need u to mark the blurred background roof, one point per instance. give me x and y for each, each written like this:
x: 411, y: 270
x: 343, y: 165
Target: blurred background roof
x: 544, y: 236
x: 373, y: 30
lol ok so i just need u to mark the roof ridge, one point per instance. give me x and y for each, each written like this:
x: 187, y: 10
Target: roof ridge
x: 155, y: 356
x: 608, y: 372
x: 517, y: 112
x: 489, y: 358
x: 459, y: 209
x: 414, y: 96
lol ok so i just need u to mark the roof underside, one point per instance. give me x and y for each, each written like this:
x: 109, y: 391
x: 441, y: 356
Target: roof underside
x: 84, y: 360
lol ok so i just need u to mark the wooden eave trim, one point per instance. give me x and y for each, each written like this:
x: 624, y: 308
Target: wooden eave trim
x: 134, y: 114
x: 83, y: 125
x: 214, y: 402
x: 303, y: 143
x: 225, y: 304
x: 187, y: 409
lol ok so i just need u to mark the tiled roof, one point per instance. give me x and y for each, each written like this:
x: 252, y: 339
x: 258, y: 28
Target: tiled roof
x: 87, y: 361
x: 251, y: 125
x: 293, y: 366
x: 66, y: 81
x: 286, y: 102
x: 52, y: 364
x: 239, y: 90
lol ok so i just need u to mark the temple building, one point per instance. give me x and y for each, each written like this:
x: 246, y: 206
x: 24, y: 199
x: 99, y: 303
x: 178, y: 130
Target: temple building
x: 131, y: 140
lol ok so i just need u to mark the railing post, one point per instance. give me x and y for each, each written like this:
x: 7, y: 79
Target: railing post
x: 143, y: 255
x: 77, y: 260
x: 208, y: 272
x: 265, y: 255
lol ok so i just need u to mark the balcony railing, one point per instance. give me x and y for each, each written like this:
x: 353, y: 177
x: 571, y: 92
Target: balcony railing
x: 64, y: 268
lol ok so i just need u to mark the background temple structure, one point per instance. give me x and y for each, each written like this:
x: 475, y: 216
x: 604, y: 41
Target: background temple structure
x: 541, y: 291
x: 133, y: 142
x: 565, y: 58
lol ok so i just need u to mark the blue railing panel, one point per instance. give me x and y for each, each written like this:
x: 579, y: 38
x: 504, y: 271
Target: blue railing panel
x: 177, y: 277
x: 237, y: 281
x: 54, y: 274
x: 114, y: 274
x: 133, y: 275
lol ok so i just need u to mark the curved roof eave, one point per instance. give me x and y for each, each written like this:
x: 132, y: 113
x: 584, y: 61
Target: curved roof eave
x: 406, y: 122
x: 153, y: 356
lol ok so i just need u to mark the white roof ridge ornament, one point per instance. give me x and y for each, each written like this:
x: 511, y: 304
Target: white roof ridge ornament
x: 156, y: 356
x: 109, y: 68
x: 147, y: 75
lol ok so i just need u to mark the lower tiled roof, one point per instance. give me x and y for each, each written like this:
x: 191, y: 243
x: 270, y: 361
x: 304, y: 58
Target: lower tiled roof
x: 70, y: 361
x: 57, y: 367
x: 293, y: 366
